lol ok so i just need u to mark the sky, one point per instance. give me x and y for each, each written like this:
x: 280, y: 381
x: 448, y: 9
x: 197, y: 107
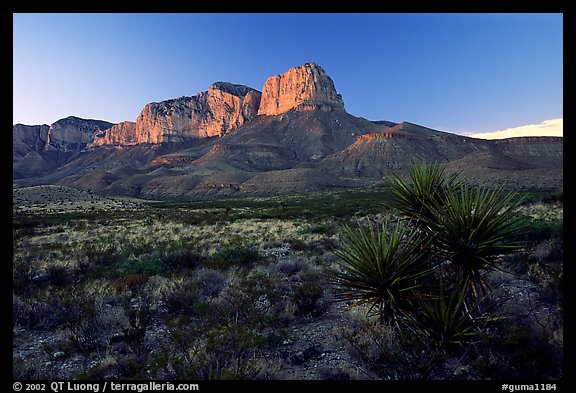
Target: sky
x: 470, y: 74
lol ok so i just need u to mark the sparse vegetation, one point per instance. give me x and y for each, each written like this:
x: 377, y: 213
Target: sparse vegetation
x: 240, y: 289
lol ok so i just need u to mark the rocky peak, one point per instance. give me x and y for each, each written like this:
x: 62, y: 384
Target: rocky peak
x: 220, y: 109
x: 231, y: 88
x: 73, y: 133
x: 305, y: 87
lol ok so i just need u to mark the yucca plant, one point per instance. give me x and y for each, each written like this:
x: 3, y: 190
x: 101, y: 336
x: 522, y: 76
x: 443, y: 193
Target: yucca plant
x: 381, y: 267
x: 427, y: 188
x: 472, y: 229
x: 447, y: 318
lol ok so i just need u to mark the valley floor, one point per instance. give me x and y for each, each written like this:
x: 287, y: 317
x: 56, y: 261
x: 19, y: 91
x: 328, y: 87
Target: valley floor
x: 241, y: 290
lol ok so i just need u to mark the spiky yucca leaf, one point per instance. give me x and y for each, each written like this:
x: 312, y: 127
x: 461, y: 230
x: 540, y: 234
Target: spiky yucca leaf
x: 427, y: 187
x: 381, y: 266
x: 473, y: 228
x: 446, y: 319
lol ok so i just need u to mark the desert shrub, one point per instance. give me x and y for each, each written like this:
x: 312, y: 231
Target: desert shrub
x: 288, y: 268
x: 209, y: 283
x: 131, y: 366
x: 516, y: 352
x: 35, y: 314
x: 547, y: 251
x: 150, y: 265
x: 229, y: 354
x: 22, y: 228
x: 338, y: 374
x: 298, y: 244
x: 250, y: 300
x: 91, y: 325
x: 550, y: 278
x: 183, y: 299
x: 227, y: 257
x: 325, y: 244
x: 85, y: 331
x: 553, y: 288
x: 181, y: 258
x: 33, y: 368
x: 132, y: 282
x: 537, y: 229
x: 23, y: 273
x: 58, y: 275
x: 325, y: 229
x: 20, y: 311
x: 225, y: 352
x: 391, y: 353
x: 307, y: 294
x: 103, y: 254
x: 556, y: 196
x: 138, y: 248
x: 138, y: 312
x: 233, y: 329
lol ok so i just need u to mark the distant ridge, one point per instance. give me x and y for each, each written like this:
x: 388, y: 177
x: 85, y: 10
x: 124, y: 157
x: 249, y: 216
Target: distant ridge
x: 294, y: 136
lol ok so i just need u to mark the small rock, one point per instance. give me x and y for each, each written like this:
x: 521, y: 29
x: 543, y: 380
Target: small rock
x: 461, y: 370
x: 58, y: 355
x: 296, y: 359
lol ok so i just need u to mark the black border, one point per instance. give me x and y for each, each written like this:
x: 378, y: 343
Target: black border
x: 566, y: 7
x: 293, y: 6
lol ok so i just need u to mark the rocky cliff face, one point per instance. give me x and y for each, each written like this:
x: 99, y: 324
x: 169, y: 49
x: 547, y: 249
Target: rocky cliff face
x: 224, y: 107
x: 26, y: 139
x: 121, y: 134
x: 72, y: 134
x: 39, y: 149
x: 302, y: 88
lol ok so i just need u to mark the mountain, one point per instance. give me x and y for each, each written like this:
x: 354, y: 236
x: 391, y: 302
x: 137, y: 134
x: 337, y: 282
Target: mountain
x: 294, y: 136
x: 37, y: 150
x: 306, y: 87
x: 528, y: 161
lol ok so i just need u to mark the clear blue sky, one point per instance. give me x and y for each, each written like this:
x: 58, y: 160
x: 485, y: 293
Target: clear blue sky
x: 453, y: 72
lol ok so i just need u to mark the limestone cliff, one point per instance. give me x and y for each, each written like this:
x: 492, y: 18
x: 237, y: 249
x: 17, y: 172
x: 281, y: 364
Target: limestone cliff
x: 73, y: 134
x: 224, y: 107
x: 26, y: 139
x: 301, y: 88
x: 39, y: 149
x: 121, y: 134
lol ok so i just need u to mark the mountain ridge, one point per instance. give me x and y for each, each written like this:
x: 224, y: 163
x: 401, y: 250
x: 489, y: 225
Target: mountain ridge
x: 295, y: 135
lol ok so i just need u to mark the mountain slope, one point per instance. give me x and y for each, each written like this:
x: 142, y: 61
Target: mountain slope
x: 510, y: 160
x: 295, y: 136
